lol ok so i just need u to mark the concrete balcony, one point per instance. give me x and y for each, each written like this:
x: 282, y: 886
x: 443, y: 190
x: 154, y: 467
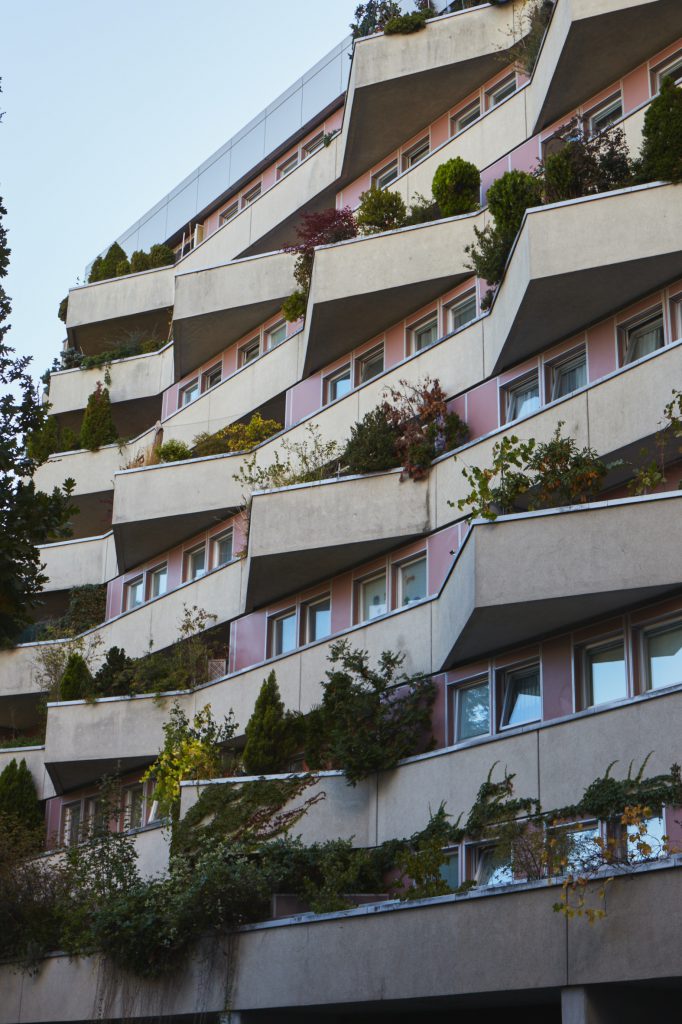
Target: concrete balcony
x: 587, y: 562
x: 398, y: 86
x: 100, y: 315
x: 135, y: 391
x: 218, y: 305
x: 35, y: 762
x: 576, y: 262
x: 591, y: 43
x: 75, y: 563
x: 94, y: 476
x: 301, y: 535
x: 354, y: 283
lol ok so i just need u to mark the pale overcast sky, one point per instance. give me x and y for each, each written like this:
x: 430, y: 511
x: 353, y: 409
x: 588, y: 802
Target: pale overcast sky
x: 109, y: 105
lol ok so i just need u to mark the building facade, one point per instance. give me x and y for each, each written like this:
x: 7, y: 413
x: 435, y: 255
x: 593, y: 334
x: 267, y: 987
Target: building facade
x: 553, y: 636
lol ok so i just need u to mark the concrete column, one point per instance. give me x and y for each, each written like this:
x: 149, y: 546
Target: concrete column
x: 578, y: 1007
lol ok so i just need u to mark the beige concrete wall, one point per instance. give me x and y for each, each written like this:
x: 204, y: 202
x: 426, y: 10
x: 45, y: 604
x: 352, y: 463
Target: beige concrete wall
x: 35, y: 762
x: 92, y: 471
x: 152, y: 849
x: 74, y: 563
x: 138, y: 377
x: 133, y: 294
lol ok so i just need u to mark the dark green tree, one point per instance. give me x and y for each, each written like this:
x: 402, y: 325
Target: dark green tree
x: 161, y: 256
x: 272, y: 734
x: 18, y: 797
x: 139, y: 261
x: 110, y: 264
x: 457, y: 187
x: 40, y: 444
x: 98, y: 424
x: 661, y: 154
x: 371, y: 447
x: 76, y: 683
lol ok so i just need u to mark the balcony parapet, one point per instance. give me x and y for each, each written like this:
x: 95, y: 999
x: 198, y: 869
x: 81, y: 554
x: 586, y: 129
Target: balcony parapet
x: 75, y: 563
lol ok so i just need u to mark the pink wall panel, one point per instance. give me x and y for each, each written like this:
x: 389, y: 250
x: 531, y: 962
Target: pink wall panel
x: 440, y: 546
x: 394, y: 345
x: 248, y: 641
x: 482, y: 414
x: 440, y: 131
x: 350, y: 196
x: 601, y: 350
x: 636, y: 88
x: 491, y: 174
x: 342, y: 601
x: 527, y: 156
x: 303, y: 399
x: 557, y: 683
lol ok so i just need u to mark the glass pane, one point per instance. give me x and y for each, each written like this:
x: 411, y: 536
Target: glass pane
x: 223, y: 549
x: 425, y: 336
x: 212, y: 378
x: 413, y: 582
x: 577, y: 848
x: 133, y: 815
x: 71, y: 824
x: 385, y: 177
x: 607, y: 116
x: 468, y: 117
x: 522, y: 700
x: 416, y: 154
x: 665, y: 658
x: 197, y: 563
x: 285, y: 634
x: 607, y: 675
x: 644, y: 339
x: 655, y: 830
x: 319, y: 620
x: 473, y: 716
x: 159, y: 582
x: 250, y: 351
x: 339, y: 386
x: 502, y: 91
x: 374, y: 598
x: 462, y: 313
x: 134, y: 594
x: 190, y: 393
x: 569, y: 376
x: 371, y: 366
x: 489, y: 872
x: 277, y: 336
x: 523, y: 399
x: 449, y: 871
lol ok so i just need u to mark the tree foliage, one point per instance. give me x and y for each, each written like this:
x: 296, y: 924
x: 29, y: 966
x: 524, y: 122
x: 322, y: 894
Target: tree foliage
x: 18, y: 797
x: 323, y: 228
x: 457, y: 187
x: 98, y: 426
x: 661, y: 154
x: 380, y: 210
x: 76, y: 683
x: 272, y: 734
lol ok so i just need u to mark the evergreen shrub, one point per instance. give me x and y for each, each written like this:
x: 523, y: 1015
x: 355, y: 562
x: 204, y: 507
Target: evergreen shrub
x: 457, y: 187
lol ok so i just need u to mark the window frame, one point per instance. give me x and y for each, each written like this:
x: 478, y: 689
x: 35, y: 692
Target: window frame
x: 332, y: 379
x: 461, y: 300
x: 150, y: 575
x: 636, y: 323
x: 251, y: 195
x: 586, y: 652
x: 287, y: 166
x: 462, y: 113
x: 365, y: 358
x: 269, y: 331
x: 229, y: 213
x: 417, y: 152
x: 187, y: 557
x: 602, y: 109
x: 313, y: 145
x: 400, y: 567
x: 65, y: 809
x: 135, y: 787
x: 562, y: 363
x: 506, y: 679
x: 277, y: 617
x: 306, y: 608
x: 215, y: 542
x: 420, y: 327
x: 491, y: 95
x: 359, y: 588
x: 254, y: 343
x: 661, y: 71
x: 509, y: 390
x: 187, y: 389
x: 137, y: 581
x: 457, y: 690
x: 207, y: 374
x: 651, y: 630
x: 377, y: 179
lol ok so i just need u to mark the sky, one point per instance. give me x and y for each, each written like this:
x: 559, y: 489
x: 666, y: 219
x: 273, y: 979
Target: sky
x: 109, y: 105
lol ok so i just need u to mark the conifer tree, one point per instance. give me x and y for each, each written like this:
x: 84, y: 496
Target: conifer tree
x: 114, y: 257
x: 76, y: 683
x: 98, y: 423
x: 18, y: 797
x: 271, y: 735
x: 661, y: 156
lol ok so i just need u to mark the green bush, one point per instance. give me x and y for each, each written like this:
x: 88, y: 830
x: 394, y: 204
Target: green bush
x: 405, y: 24
x: 457, y: 187
x: 42, y: 443
x: 237, y: 437
x: 272, y: 734
x: 139, y: 261
x: 87, y: 608
x: 173, y: 451
x: 122, y: 268
x: 69, y: 440
x: 423, y: 210
x: 161, y: 256
x: 98, y: 423
x: 18, y: 797
x: 508, y: 199
x: 371, y: 446
x: 584, y: 167
x: 106, y: 267
x: 371, y: 16
x: 63, y: 307
x: 294, y: 306
x: 114, y: 675
x: 661, y: 153
x: 77, y: 682
x: 380, y: 210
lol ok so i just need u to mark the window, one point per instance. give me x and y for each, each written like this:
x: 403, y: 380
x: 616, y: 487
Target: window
x: 317, y: 142
x: 221, y: 548
x: 229, y: 213
x: 134, y: 593
x: 416, y: 153
x: 424, y: 333
x: 655, y: 838
x: 189, y: 393
x: 472, y: 712
x: 500, y: 91
x: 158, y: 581
x: 287, y: 166
x: 599, y: 120
x: 575, y: 848
x: 251, y: 196
x: 605, y: 676
x: 412, y: 585
x: 133, y: 804
x: 71, y: 824
x: 488, y: 868
x: 337, y: 384
x: 249, y: 352
x: 522, y: 398
x: 373, y: 597
x: 462, y: 312
x: 386, y: 175
x: 522, y: 701
x: 282, y: 630
x: 276, y: 334
x: 370, y: 364
x: 449, y: 870
x: 663, y: 656
x: 671, y: 69
x: 195, y: 563
x: 317, y: 619
x: 93, y: 818
x: 212, y: 377
x: 568, y: 375
x: 465, y: 117
x: 643, y: 337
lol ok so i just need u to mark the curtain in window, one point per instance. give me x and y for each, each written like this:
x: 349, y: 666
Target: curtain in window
x: 645, y: 339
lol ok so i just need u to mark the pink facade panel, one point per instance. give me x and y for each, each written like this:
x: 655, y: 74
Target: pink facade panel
x: 601, y: 350
x: 557, y: 678
x: 636, y: 88
x: 441, y: 548
x: 482, y: 410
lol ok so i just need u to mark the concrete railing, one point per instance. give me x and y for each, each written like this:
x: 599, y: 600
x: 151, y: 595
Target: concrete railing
x: 75, y: 563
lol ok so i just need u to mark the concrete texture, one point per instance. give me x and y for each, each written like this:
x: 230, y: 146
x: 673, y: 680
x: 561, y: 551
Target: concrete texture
x: 75, y: 563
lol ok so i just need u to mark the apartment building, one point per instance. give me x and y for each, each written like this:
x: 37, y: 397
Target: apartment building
x: 553, y: 636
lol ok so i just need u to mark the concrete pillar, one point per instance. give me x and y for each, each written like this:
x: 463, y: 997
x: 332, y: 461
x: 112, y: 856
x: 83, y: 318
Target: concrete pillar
x: 578, y: 1007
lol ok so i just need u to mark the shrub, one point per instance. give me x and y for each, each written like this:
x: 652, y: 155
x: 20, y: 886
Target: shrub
x: 69, y: 440
x: 371, y: 446
x: 380, y: 210
x: 161, y: 255
x: 122, y: 268
x: 272, y: 734
x: 113, y: 677
x: 323, y: 228
x: 42, y: 443
x: 96, y: 270
x: 457, y: 187
x: 584, y: 167
x: 426, y: 429
x: 18, y: 797
x: 238, y: 437
x: 423, y: 210
x: 508, y: 199
x: 661, y: 153
x: 488, y: 257
x: 371, y: 17
x: 369, y: 719
x: 98, y: 423
x: 105, y: 267
x: 77, y: 682
x: 305, y: 462
x: 524, y: 53
x: 139, y: 261
x: 173, y: 451
x: 294, y: 306
x: 87, y: 608
x: 405, y: 24
x: 63, y: 307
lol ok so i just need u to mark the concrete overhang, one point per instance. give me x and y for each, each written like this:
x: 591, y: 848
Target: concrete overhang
x: 398, y: 85
x: 301, y: 535
x: 355, y: 283
x: 94, y: 476
x: 217, y: 306
x: 592, y: 43
x: 157, y: 507
x: 526, y: 576
x: 68, y: 775
x: 76, y: 563
x: 615, y: 248
x: 95, y: 319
